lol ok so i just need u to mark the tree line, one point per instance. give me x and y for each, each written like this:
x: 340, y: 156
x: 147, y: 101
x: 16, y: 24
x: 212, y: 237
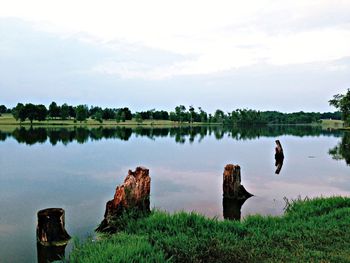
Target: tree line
x: 180, y: 114
x: 181, y: 134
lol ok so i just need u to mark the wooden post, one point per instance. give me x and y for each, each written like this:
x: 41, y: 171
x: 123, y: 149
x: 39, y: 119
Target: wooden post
x: 133, y: 194
x: 50, y: 230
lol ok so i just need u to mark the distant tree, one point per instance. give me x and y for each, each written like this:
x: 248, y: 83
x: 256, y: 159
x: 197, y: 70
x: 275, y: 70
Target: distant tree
x: 3, y: 109
x: 64, y: 111
x: 192, y: 113
x: 173, y: 116
x: 81, y: 112
x: 71, y: 111
x: 17, y: 110
x: 30, y: 111
x: 98, y: 116
x: 123, y: 116
x: 108, y: 114
x: 180, y: 112
x: 54, y: 110
x: 219, y: 116
x: 41, y: 112
x: 203, y: 115
x: 127, y: 113
x: 138, y: 117
x: 342, y: 102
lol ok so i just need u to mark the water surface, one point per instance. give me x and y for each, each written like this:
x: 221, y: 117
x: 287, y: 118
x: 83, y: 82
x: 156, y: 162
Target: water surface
x: 78, y: 169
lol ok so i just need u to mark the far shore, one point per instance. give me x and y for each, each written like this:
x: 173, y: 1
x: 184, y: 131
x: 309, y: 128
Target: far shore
x: 8, y: 120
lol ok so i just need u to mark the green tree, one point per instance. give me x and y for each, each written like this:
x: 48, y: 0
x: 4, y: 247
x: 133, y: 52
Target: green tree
x: 3, y: 109
x: 138, y: 117
x: 41, y: 112
x: 54, y: 110
x: 16, y: 111
x: 64, y: 111
x: 81, y: 112
x: 342, y: 102
x: 180, y: 112
x: 192, y: 113
x: 30, y: 111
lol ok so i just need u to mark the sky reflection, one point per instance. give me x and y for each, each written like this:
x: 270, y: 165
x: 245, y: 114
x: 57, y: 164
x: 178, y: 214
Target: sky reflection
x: 81, y: 177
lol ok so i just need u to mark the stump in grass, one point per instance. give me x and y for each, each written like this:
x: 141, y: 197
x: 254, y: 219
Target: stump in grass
x: 50, y: 230
x: 131, y: 196
x: 234, y: 194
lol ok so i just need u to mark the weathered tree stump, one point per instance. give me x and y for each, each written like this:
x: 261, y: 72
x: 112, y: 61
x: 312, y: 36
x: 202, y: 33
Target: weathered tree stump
x: 234, y: 194
x: 232, y: 187
x: 133, y: 194
x: 50, y: 230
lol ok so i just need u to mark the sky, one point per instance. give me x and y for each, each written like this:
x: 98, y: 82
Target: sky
x: 260, y: 54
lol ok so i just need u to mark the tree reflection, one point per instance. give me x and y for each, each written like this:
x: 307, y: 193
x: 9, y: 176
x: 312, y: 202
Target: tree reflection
x: 181, y: 134
x: 342, y: 150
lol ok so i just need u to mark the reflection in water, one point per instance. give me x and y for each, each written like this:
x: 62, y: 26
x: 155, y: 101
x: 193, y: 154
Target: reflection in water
x: 342, y: 150
x: 278, y: 164
x: 279, y: 157
x: 50, y: 254
x: 232, y: 208
x: 81, y: 135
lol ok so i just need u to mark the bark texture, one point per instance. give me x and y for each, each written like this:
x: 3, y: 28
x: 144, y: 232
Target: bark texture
x: 132, y: 195
x: 50, y: 230
x: 232, y: 187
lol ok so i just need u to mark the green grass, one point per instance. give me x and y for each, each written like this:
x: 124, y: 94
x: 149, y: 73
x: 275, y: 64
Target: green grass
x: 8, y: 120
x: 336, y: 124
x: 315, y: 230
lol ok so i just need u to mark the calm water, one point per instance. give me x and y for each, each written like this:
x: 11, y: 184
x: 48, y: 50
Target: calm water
x: 78, y: 170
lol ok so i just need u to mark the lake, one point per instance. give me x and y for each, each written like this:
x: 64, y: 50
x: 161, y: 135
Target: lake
x: 78, y: 169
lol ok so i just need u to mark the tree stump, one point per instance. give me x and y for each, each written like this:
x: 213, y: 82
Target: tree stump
x: 232, y: 208
x: 132, y: 195
x: 50, y: 230
x: 50, y: 254
x: 234, y: 194
x: 232, y: 187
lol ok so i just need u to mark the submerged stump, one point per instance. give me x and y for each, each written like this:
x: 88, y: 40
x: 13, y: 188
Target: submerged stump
x: 279, y: 156
x: 131, y: 196
x: 234, y: 194
x: 50, y: 230
x: 232, y: 187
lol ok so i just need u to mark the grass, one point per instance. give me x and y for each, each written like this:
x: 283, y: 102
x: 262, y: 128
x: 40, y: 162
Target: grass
x: 315, y: 230
x: 8, y: 120
x: 335, y: 124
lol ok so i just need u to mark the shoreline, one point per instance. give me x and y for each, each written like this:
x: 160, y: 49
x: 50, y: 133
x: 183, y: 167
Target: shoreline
x: 316, y: 230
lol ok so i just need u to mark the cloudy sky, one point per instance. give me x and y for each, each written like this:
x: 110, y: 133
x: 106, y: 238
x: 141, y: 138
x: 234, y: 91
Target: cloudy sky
x: 262, y: 54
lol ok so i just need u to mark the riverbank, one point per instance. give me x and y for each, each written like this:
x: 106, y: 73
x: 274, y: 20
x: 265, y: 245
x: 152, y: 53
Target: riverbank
x: 315, y: 230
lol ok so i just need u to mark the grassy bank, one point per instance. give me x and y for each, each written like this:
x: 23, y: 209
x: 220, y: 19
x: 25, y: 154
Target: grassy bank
x: 9, y: 120
x: 315, y: 230
x: 332, y: 124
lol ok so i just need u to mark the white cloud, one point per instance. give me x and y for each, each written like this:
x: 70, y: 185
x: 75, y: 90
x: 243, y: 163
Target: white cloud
x: 212, y: 36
